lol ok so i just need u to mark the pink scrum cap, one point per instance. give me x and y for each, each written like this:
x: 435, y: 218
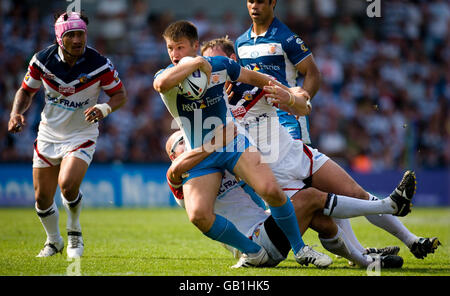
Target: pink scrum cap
x: 73, y: 23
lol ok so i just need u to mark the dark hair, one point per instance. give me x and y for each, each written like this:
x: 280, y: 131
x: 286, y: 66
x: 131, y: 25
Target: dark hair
x: 82, y: 16
x: 223, y: 43
x: 181, y: 29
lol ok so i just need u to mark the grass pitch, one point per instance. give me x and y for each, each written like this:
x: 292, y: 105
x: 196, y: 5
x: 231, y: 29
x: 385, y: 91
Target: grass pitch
x: 162, y: 242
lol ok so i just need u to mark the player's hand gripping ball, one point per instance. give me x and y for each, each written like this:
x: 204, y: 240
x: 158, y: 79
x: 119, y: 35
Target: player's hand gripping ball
x: 195, y: 85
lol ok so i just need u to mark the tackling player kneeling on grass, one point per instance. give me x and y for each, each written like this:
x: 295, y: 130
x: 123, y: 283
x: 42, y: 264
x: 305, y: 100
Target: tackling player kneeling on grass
x: 72, y: 75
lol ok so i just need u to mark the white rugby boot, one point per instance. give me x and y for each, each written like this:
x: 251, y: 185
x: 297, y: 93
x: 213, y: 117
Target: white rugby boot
x: 75, y: 246
x: 52, y: 248
x: 252, y: 260
x: 308, y: 255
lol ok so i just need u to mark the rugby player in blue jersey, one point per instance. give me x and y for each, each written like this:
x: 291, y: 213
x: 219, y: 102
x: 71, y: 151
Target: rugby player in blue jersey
x: 73, y: 75
x: 270, y: 47
x: 197, y: 120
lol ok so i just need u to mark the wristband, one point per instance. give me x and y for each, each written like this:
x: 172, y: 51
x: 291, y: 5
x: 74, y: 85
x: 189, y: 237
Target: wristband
x: 104, y: 108
x: 291, y: 100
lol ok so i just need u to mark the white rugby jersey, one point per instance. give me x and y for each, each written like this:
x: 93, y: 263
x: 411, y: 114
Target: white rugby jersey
x: 260, y: 119
x: 69, y: 91
x: 232, y: 203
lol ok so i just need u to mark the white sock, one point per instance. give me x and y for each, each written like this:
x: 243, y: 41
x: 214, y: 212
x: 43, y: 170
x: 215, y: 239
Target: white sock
x: 340, y: 206
x: 340, y: 245
x: 73, y: 210
x: 392, y: 225
x: 50, y: 220
x: 346, y: 227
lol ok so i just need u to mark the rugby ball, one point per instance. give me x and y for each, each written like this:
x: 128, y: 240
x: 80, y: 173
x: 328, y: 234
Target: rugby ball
x: 195, y: 85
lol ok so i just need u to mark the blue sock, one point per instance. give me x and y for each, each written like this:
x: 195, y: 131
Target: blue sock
x: 285, y: 218
x: 224, y: 231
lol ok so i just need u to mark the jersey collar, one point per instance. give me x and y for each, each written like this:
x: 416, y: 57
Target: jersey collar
x: 252, y: 34
x: 61, y: 55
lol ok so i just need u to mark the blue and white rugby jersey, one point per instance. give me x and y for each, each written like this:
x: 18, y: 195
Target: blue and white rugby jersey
x: 69, y: 91
x: 197, y: 119
x: 276, y: 53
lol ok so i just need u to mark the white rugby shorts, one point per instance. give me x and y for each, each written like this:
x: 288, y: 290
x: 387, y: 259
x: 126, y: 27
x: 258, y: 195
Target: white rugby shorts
x: 261, y: 237
x: 300, y: 163
x: 47, y: 154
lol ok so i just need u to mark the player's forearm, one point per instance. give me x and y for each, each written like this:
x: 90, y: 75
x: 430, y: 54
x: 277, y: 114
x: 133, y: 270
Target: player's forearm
x: 308, y: 68
x: 118, y: 99
x: 22, y: 101
x: 185, y: 162
x: 175, y: 75
x: 258, y: 79
x: 312, y: 82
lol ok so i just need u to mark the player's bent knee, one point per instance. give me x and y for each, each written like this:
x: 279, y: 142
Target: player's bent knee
x: 272, y: 193
x: 202, y: 219
x: 312, y: 198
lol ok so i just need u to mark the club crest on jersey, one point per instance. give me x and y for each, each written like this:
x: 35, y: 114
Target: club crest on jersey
x: 272, y: 49
x: 83, y: 78
x: 27, y: 76
x: 215, y: 78
x: 248, y: 96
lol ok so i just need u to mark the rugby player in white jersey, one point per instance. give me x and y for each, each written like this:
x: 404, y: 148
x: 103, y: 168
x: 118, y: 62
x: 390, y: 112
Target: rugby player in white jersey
x: 73, y: 76
x: 269, y: 46
x: 300, y: 165
x: 239, y: 207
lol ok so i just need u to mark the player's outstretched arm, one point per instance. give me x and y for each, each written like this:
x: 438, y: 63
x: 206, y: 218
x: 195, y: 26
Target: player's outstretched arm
x: 171, y: 77
x: 22, y: 102
x: 100, y: 111
x: 258, y: 79
x: 189, y: 159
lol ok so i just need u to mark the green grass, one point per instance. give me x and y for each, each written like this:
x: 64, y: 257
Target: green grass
x: 163, y: 242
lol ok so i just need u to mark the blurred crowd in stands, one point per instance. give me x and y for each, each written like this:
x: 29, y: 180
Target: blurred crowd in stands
x: 384, y: 102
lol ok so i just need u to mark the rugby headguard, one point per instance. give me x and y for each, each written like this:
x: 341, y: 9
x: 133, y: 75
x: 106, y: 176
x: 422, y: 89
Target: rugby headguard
x: 73, y: 22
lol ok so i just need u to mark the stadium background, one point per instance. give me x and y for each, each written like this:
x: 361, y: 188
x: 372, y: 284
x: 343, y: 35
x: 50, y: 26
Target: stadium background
x: 383, y: 106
